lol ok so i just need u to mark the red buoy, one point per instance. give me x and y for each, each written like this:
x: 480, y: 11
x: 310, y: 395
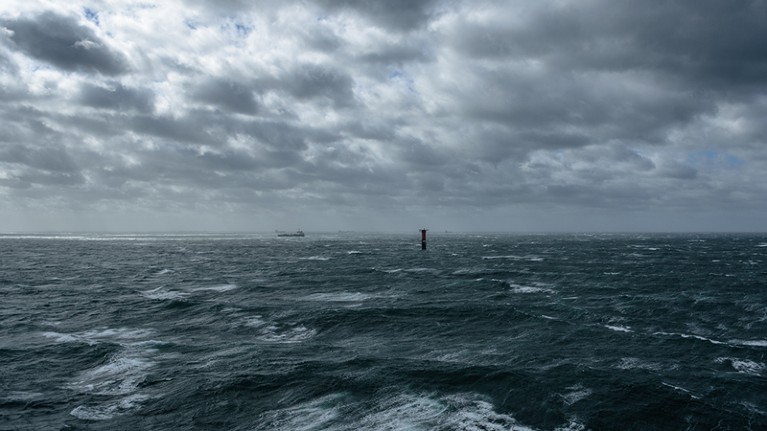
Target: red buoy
x: 423, y: 239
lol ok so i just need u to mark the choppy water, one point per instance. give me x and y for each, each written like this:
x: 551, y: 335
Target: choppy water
x: 368, y: 332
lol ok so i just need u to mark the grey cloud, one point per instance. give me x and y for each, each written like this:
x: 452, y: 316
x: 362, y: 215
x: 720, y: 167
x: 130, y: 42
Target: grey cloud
x: 117, y: 97
x: 62, y: 42
x: 706, y: 43
x: 227, y: 94
x: 7, y: 65
x: 50, y: 158
x: 312, y: 81
x: 400, y: 15
x: 185, y: 130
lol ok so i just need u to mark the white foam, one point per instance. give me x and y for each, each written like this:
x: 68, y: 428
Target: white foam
x: 255, y: 322
x: 751, y: 343
x: 744, y: 366
x: 697, y: 337
x: 407, y: 411
x: 93, y: 336
x: 618, y: 328
x: 318, y: 258
x: 636, y: 363
x: 165, y: 271
x: 102, y: 412
x: 577, y: 393
x: 353, y: 252
x: 94, y: 413
x: 312, y: 415
x: 391, y: 271
x: 61, y: 338
x: 286, y: 334
x: 573, y: 425
x: 161, y: 293
x: 120, y: 376
x: 339, y: 297
x: 517, y: 288
x: 681, y: 389
x: 217, y: 288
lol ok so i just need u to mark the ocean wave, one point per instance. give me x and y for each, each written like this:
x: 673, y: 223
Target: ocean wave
x: 340, y: 297
x: 216, y: 288
x: 576, y: 393
x: 99, y: 335
x: 689, y: 336
x: 316, y: 258
x: 161, y: 293
x: 618, y: 328
x: 744, y: 366
x: 529, y: 258
x: 106, y: 411
x: 468, y: 412
x: 750, y: 343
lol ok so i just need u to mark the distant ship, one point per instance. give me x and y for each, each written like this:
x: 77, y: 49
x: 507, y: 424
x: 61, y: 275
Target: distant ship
x: 296, y: 233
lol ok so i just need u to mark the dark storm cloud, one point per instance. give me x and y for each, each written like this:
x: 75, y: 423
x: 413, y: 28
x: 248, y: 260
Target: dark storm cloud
x: 62, y: 42
x: 712, y: 42
x: 366, y: 106
x: 117, y: 97
x: 227, y: 94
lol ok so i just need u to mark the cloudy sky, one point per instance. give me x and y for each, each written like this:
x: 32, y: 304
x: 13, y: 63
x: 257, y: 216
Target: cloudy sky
x: 470, y: 115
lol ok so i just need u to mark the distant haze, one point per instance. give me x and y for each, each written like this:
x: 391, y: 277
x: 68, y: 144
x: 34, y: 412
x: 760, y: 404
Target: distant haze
x: 594, y: 115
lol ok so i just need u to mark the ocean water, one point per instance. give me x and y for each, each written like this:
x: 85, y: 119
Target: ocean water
x: 368, y: 332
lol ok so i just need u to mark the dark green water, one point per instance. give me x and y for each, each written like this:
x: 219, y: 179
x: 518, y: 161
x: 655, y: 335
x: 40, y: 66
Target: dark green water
x: 368, y: 332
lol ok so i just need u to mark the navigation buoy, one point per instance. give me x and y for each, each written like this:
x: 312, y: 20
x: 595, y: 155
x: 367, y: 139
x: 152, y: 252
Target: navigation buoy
x: 423, y: 239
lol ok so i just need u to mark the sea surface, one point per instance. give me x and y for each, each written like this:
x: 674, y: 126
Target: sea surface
x: 349, y: 331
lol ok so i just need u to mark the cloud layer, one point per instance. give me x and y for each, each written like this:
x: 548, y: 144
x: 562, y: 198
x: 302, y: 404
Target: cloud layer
x: 489, y: 115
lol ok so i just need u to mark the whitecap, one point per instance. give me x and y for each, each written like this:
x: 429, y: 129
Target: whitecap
x: 510, y: 256
x: 102, y: 412
x: 517, y: 288
x: 312, y: 415
x: 165, y: 271
x: 744, y: 366
x: 339, y: 297
x: 61, y: 338
x: 697, y: 337
x: 161, y: 293
x: 120, y: 376
x: 576, y: 393
x: 286, y: 334
x: 353, y: 252
x: 217, y: 288
x: 316, y: 258
x: 530, y: 258
x: 94, y: 413
x: 95, y: 335
x: 681, y: 389
x: 751, y: 343
x: 618, y: 328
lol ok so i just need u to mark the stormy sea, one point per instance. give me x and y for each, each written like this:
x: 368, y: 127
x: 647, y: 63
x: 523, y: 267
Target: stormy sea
x: 351, y: 331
